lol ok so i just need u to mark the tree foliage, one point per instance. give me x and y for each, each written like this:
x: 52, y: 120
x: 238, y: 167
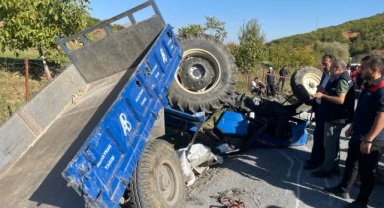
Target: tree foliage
x: 339, y: 50
x: 280, y: 55
x: 251, y: 30
x: 232, y: 47
x: 212, y: 26
x: 36, y: 23
x: 251, y: 50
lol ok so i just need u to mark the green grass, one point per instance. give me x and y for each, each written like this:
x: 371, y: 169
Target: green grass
x: 242, y: 85
x: 30, y: 54
x: 13, y: 93
x: 12, y: 80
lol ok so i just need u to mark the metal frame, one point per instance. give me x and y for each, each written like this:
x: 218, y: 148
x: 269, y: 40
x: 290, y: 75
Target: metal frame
x: 105, y: 24
x: 196, y: 120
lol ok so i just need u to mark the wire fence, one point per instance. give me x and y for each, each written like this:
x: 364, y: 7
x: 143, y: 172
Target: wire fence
x: 20, y: 80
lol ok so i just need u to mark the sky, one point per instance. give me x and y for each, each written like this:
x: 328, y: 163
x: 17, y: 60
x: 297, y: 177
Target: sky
x: 278, y: 18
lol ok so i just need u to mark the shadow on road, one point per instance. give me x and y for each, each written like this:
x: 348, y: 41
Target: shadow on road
x: 283, y: 168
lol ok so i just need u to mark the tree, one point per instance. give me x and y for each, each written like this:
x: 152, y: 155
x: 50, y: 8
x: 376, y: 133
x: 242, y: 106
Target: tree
x: 251, y: 50
x: 213, y: 27
x: 339, y: 50
x: 251, y: 31
x: 232, y: 47
x: 35, y: 24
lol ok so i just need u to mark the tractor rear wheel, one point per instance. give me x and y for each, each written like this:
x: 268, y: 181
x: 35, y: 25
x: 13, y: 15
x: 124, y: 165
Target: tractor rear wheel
x: 304, y: 82
x: 206, y: 77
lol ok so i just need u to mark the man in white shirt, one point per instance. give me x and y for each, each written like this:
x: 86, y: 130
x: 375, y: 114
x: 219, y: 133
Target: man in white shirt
x: 317, y: 154
x: 257, y: 86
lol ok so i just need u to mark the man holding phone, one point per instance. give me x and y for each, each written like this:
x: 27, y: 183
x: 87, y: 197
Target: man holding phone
x: 367, y: 134
x: 338, y: 98
x: 317, y: 153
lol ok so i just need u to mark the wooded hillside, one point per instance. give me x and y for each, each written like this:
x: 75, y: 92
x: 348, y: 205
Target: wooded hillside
x: 362, y: 35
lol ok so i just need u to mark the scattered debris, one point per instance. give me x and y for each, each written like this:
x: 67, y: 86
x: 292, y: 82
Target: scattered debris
x: 232, y: 202
x: 199, y: 159
x: 204, y: 179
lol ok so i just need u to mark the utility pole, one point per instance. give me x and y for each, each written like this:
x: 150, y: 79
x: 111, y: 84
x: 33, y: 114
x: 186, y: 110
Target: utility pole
x: 317, y: 22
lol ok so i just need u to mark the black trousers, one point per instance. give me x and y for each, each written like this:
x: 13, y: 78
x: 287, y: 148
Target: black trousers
x: 317, y: 153
x: 351, y: 165
x: 271, y: 89
x: 365, y: 165
x: 282, y: 80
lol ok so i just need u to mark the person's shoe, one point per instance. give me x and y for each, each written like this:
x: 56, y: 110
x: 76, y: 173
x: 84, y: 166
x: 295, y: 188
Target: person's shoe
x: 337, y: 191
x: 356, y: 204
x: 321, y: 174
x: 311, y: 165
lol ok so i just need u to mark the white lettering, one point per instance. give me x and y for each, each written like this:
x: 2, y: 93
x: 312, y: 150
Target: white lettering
x: 139, y: 95
x: 163, y: 56
x: 125, y: 124
x: 157, y: 75
x: 110, y: 161
x: 169, y: 41
x: 143, y: 102
x: 104, y: 154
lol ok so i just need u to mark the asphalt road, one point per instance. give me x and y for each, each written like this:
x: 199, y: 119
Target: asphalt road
x: 270, y: 177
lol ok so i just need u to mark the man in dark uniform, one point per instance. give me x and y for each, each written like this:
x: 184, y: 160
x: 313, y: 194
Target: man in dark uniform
x: 317, y: 153
x: 270, y: 79
x: 283, y: 73
x: 367, y: 130
x: 339, y: 102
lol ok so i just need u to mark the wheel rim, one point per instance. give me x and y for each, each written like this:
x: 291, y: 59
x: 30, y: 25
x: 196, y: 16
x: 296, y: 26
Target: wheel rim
x: 310, y: 82
x: 207, y: 56
x: 167, y: 182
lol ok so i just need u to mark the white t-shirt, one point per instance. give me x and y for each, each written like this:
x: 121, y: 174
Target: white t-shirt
x: 254, y: 85
x: 325, y: 81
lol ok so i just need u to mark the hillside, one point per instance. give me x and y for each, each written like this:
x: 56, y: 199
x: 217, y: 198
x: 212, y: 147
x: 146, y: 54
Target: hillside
x: 362, y: 35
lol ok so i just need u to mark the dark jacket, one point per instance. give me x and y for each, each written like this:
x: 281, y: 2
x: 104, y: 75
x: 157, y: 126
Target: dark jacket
x: 337, y: 113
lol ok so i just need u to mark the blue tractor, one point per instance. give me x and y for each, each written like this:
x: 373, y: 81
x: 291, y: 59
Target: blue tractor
x: 172, y: 81
x: 101, y: 124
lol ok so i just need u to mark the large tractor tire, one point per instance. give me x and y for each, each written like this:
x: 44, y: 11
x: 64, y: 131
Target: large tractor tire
x: 158, y: 179
x: 206, y: 77
x: 304, y: 82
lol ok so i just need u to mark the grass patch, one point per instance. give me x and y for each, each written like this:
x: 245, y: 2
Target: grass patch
x: 12, y: 92
x: 12, y: 80
x: 30, y: 54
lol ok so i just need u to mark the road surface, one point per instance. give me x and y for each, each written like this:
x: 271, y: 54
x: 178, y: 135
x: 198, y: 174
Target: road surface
x: 272, y: 178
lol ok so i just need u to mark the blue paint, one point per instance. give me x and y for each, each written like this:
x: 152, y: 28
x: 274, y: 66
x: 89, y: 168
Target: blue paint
x: 299, y: 137
x: 102, y: 168
x: 178, y: 117
x: 233, y: 124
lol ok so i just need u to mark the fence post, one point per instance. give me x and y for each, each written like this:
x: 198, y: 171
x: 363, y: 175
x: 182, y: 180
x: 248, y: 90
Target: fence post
x: 26, y: 79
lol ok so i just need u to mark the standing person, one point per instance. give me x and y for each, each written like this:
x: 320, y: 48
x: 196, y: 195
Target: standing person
x: 317, y: 153
x: 339, y: 102
x: 367, y: 134
x: 349, y: 69
x: 359, y: 79
x: 354, y: 71
x: 283, y: 73
x: 270, y: 79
